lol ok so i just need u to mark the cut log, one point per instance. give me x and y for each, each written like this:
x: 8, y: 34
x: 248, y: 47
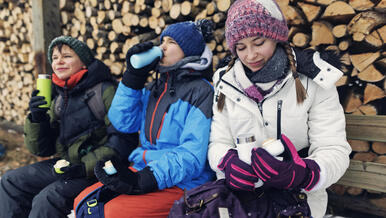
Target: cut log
x: 167, y: 5
x: 175, y: 12
x: 363, y: 23
x: 339, y: 10
x: 301, y: 40
x: 312, y: 12
x: 342, y: 81
x: 374, y: 40
x: 365, y: 157
x: 368, y: 109
x: 372, y: 92
x: 292, y: 15
x: 371, y: 74
x: 379, y: 147
x: 362, y: 5
x: 380, y: 159
x: 340, y: 31
x: 362, y: 61
x: 359, y: 145
x: 344, y: 45
x: 322, y: 34
x: 353, y: 101
x: 223, y: 5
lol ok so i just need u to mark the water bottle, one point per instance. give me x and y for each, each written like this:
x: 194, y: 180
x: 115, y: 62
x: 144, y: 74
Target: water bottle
x: 144, y: 58
x: 43, y: 84
x: 245, y: 144
x: 274, y: 147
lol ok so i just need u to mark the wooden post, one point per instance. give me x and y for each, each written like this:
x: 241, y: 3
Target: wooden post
x: 46, y: 24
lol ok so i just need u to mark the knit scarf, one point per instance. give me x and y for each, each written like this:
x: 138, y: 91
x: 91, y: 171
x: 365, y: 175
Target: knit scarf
x: 256, y: 85
x: 70, y: 82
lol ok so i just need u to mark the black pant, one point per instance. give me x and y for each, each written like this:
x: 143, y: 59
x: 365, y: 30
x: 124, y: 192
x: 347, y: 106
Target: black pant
x: 34, y: 191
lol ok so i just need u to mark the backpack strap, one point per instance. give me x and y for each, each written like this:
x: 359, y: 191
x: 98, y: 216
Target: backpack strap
x: 57, y: 103
x: 95, y: 101
x: 93, y: 98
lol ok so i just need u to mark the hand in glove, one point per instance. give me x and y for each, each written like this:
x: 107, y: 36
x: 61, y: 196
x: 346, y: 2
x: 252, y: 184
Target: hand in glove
x: 292, y: 172
x: 239, y: 176
x: 38, y: 114
x: 136, y: 78
x: 70, y: 172
x: 126, y: 181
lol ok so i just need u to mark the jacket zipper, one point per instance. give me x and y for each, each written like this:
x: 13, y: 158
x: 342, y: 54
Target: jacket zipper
x: 155, y: 109
x: 65, y: 102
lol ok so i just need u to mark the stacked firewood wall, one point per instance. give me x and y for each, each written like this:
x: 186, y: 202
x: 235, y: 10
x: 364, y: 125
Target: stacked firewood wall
x: 16, y: 59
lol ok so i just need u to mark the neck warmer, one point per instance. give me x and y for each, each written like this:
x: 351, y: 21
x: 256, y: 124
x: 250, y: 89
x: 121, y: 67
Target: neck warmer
x: 275, y: 68
x: 256, y: 85
x: 70, y: 82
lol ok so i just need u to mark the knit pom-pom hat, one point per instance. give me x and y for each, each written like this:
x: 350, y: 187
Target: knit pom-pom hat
x: 249, y: 18
x: 80, y: 48
x: 190, y: 36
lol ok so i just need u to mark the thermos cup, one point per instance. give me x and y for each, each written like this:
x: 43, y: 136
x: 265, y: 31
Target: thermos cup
x: 144, y: 58
x: 44, y: 87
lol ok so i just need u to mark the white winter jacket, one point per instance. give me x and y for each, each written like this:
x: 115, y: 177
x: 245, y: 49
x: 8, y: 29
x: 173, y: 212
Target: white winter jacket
x: 317, y: 123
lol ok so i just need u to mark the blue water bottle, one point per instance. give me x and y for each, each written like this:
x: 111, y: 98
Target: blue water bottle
x: 144, y: 58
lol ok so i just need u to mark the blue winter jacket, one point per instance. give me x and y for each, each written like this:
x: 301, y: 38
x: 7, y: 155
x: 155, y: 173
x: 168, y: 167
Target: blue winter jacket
x: 173, y: 115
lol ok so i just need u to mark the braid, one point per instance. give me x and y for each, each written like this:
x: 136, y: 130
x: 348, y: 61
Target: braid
x: 221, y: 97
x: 301, y: 93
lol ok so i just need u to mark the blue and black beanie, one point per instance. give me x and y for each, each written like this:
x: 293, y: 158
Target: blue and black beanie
x: 80, y: 48
x: 190, y: 36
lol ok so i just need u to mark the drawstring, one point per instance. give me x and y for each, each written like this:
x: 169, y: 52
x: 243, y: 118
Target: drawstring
x: 155, y: 94
x: 172, y: 90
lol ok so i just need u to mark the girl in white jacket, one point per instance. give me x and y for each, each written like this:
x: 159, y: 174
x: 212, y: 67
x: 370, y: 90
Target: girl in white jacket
x: 260, y: 95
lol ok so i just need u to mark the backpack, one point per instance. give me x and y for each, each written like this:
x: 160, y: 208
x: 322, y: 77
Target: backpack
x: 92, y: 205
x: 216, y: 200
x: 212, y: 199
x: 94, y: 96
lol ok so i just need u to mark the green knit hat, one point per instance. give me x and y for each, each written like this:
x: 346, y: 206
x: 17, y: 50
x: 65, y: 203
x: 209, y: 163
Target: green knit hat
x: 81, y: 49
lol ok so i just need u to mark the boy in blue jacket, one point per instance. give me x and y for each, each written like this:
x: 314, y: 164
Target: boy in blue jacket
x: 173, y: 114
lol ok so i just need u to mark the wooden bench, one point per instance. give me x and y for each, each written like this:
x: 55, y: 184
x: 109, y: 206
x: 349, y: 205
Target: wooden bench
x: 365, y: 175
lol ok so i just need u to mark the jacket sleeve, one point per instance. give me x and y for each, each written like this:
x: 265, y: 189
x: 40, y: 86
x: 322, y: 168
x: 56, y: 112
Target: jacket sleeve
x: 327, y: 137
x: 40, y: 138
x: 123, y: 143
x: 126, y: 109
x: 186, y: 161
x: 220, y: 136
x: 118, y: 144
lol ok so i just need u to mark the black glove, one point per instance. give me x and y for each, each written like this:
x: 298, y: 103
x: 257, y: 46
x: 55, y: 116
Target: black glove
x: 305, y: 61
x: 38, y: 114
x: 136, y: 78
x: 71, y: 172
x: 126, y: 181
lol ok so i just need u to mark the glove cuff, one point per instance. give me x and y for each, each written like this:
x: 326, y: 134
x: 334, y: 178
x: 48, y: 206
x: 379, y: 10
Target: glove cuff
x: 313, y: 175
x: 38, y: 117
x: 134, y: 81
x: 146, y: 180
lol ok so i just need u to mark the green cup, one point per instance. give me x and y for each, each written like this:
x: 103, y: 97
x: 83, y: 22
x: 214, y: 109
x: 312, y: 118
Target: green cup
x: 44, y: 87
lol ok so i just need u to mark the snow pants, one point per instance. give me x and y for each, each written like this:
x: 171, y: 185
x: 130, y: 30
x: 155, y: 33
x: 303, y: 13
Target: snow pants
x: 34, y: 191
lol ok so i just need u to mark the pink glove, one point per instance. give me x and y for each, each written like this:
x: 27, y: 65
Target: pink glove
x: 239, y: 176
x: 291, y: 173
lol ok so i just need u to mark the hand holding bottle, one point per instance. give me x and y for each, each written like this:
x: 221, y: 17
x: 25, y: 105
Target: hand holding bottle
x: 135, y: 77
